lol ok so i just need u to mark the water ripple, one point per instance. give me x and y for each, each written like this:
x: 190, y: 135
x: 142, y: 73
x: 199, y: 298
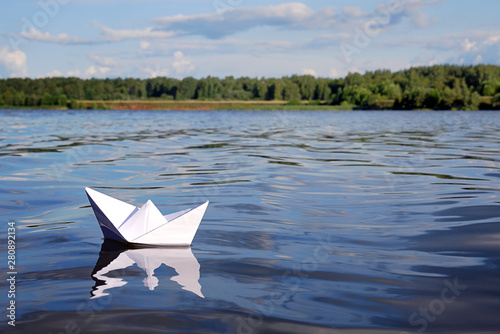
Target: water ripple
x: 317, y: 220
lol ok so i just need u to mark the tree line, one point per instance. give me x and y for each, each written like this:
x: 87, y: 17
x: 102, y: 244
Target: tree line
x: 435, y: 87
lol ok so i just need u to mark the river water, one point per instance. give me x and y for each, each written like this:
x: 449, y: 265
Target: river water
x: 319, y: 222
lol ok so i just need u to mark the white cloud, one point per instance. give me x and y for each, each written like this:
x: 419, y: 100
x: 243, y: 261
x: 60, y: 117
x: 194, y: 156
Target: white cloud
x: 328, y: 40
x: 14, y: 62
x: 465, y: 47
x: 413, y: 9
x: 201, y: 46
x: 353, y: 11
x: 103, y: 61
x: 74, y: 73
x: 115, y: 35
x: 464, y: 41
x: 333, y: 73
x: 229, y: 21
x: 182, y: 64
x: 293, y: 15
x: 298, y: 31
x: 424, y: 58
x: 62, y: 38
x: 107, y: 35
x: 309, y: 71
x: 52, y: 74
x: 421, y: 19
x: 354, y: 69
x: 468, y: 45
x: 91, y: 72
x: 157, y: 71
x: 94, y: 71
x: 493, y: 39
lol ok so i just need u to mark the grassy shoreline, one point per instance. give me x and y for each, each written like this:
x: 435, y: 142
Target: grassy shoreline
x: 190, y: 105
x: 211, y: 105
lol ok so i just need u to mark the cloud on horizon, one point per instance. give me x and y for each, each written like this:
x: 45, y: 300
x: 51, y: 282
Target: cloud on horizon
x: 14, y: 62
x: 225, y: 22
x: 63, y: 38
x: 229, y: 21
x: 287, y: 38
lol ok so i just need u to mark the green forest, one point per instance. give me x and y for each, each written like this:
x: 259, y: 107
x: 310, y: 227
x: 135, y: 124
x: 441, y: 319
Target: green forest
x: 440, y: 87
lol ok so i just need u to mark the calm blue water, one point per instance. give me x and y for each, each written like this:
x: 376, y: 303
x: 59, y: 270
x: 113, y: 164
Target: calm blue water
x: 318, y: 221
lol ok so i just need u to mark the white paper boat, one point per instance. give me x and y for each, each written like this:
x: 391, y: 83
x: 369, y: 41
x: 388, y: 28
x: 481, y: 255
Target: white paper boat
x: 113, y: 258
x: 145, y: 225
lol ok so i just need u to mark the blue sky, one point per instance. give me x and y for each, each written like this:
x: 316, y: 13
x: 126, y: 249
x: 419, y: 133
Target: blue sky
x: 180, y: 38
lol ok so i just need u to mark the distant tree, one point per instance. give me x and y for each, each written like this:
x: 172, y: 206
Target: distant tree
x: 90, y: 94
x: 358, y: 95
x: 46, y: 100
x: 475, y: 101
x: 275, y: 90
x: 490, y: 87
x: 322, y: 91
x: 354, y: 79
x: 32, y: 100
x: 392, y: 91
x: 229, y: 83
x: 259, y: 90
x: 307, y: 86
x: 73, y: 104
x: 62, y: 100
x: 496, y: 100
x: 291, y: 91
x: 338, y: 97
x: 187, y: 89
x: 8, y: 97
x: 211, y: 88
x: 19, y: 99
x: 447, y: 102
x: 402, y: 80
x: 432, y: 98
x: 432, y: 87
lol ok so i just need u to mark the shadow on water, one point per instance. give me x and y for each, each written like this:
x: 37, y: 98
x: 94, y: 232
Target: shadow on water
x: 469, y: 213
x: 441, y: 297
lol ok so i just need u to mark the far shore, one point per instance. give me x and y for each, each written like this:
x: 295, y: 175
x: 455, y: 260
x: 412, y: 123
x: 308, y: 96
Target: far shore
x: 211, y: 105
x: 192, y: 105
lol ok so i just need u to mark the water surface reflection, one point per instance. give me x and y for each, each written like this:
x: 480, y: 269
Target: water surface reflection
x: 328, y: 222
x: 114, y: 257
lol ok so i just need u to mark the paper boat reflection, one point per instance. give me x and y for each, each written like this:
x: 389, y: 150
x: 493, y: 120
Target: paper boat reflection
x: 145, y: 225
x: 114, y: 257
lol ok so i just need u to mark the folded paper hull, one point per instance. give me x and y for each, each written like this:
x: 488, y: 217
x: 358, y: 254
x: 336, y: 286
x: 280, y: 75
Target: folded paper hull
x: 145, y: 225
